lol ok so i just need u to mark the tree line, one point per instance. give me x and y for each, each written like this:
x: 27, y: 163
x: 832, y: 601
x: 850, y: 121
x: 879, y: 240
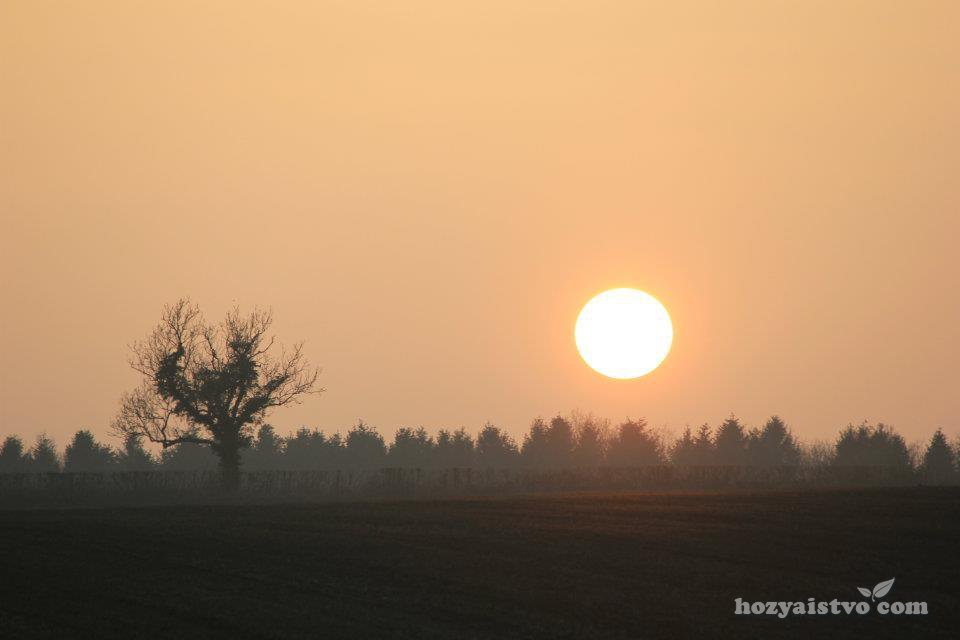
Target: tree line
x: 206, y: 390
x: 563, y: 442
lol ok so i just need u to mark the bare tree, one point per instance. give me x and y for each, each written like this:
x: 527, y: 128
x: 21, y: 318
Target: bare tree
x: 211, y: 384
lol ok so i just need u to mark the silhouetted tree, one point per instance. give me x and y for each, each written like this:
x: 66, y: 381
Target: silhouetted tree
x: 730, y: 445
x: 12, y: 457
x: 589, y: 450
x: 634, y: 445
x: 333, y: 451
x: 133, y: 457
x: 915, y: 451
x: 210, y: 384
x: 188, y: 456
x: 536, y: 445
x: 549, y: 446
x: 496, y: 449
x: 302, y: 450
x: 454, y: 450
x: 704, y: 448
x: 773, y: 445
x: 365, y: 447
x: 867, y: 445
x: 311, y: 449
x: 561, y: 443
x: 266, y: 451
x: 817, y: 454
x: 684, y: 450
x: 85, y: 454
x: 411, y: 448
x: 43, y: 456
x: 956, y: 453
x: 938, y: 465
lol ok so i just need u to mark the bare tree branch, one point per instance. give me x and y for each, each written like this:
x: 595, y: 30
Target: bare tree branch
x: 216, y: 379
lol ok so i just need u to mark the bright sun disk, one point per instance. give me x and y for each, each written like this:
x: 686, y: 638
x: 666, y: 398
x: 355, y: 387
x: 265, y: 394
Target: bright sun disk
x: 624, y: 333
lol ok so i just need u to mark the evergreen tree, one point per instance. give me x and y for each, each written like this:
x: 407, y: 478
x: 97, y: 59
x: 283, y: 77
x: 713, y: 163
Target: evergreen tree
x: 302, y: 450
x: 938, y: 465
x: 311, y: 449
x: 43, y: 456
x: 561, y: 443
x: 12, y: 457
x: 85, y: 454
x: 365, y: 447
x: 956, y: 452
x: 265, y: 452
x: 133, y: 457
x: 703, y: 447
x: 731, y: 443
x: 411, y: 448
x: 589, y: 450
x: 495, y: 449
x: 773, y: 445
x: 454, y: 450
x: 333, y: 452
x: 536, y: 447
x: 634, y: 445
x: 684, y: 450
x: 867, y: 445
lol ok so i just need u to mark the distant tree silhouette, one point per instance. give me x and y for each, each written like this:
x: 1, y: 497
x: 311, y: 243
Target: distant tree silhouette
x: 365, y: 447
x: 634, y: 445
x: 578, y: 441
x: 704, y: 448
x: 333, y: 451
x: 730, y: 444
x: 188, y: 456
x: 817, y: 454
x: 535, y: 451
x: 589, y: 450
x: 684, y: 450
x: 43, y: 457
x: 867, y: 445
x: 454, y: 450
x: 773, y: 445
x: 561, y: 442
x: 133, y: 457
x: 12, y: 456
x: 411, y: 448
x: 311, y: 449
x: 85, y: 454
x: 956, y: 452
x: 549, y: 446
x: 266, y: 451
x: 938, y: 464
x: 915, y: 451
x: 210, y: 384
x: 496, y: 449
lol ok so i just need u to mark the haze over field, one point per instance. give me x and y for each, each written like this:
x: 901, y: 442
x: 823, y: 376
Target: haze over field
x: 427, y: 196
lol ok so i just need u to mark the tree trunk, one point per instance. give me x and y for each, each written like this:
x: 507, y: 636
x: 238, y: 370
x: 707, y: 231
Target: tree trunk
x: 229, y: 467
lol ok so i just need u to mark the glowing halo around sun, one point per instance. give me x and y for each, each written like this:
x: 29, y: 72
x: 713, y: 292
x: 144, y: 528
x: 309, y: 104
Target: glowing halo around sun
x: 623, y: 333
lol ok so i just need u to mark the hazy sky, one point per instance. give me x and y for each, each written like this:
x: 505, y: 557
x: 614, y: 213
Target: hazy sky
x: 427, y: 192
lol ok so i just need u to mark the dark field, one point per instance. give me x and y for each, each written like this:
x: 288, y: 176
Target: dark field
x: 575, y: 565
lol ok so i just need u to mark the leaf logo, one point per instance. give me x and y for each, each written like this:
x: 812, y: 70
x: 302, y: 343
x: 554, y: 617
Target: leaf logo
x: 882, y: 589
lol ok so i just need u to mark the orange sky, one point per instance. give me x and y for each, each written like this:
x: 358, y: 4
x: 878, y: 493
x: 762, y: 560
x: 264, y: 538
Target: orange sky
x: 427, y: 193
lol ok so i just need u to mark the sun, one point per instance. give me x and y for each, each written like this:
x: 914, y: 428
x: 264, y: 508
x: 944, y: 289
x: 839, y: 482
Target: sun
x: 624, y: 333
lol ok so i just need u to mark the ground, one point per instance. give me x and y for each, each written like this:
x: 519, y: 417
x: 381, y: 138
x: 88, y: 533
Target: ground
x: 637, y: 565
